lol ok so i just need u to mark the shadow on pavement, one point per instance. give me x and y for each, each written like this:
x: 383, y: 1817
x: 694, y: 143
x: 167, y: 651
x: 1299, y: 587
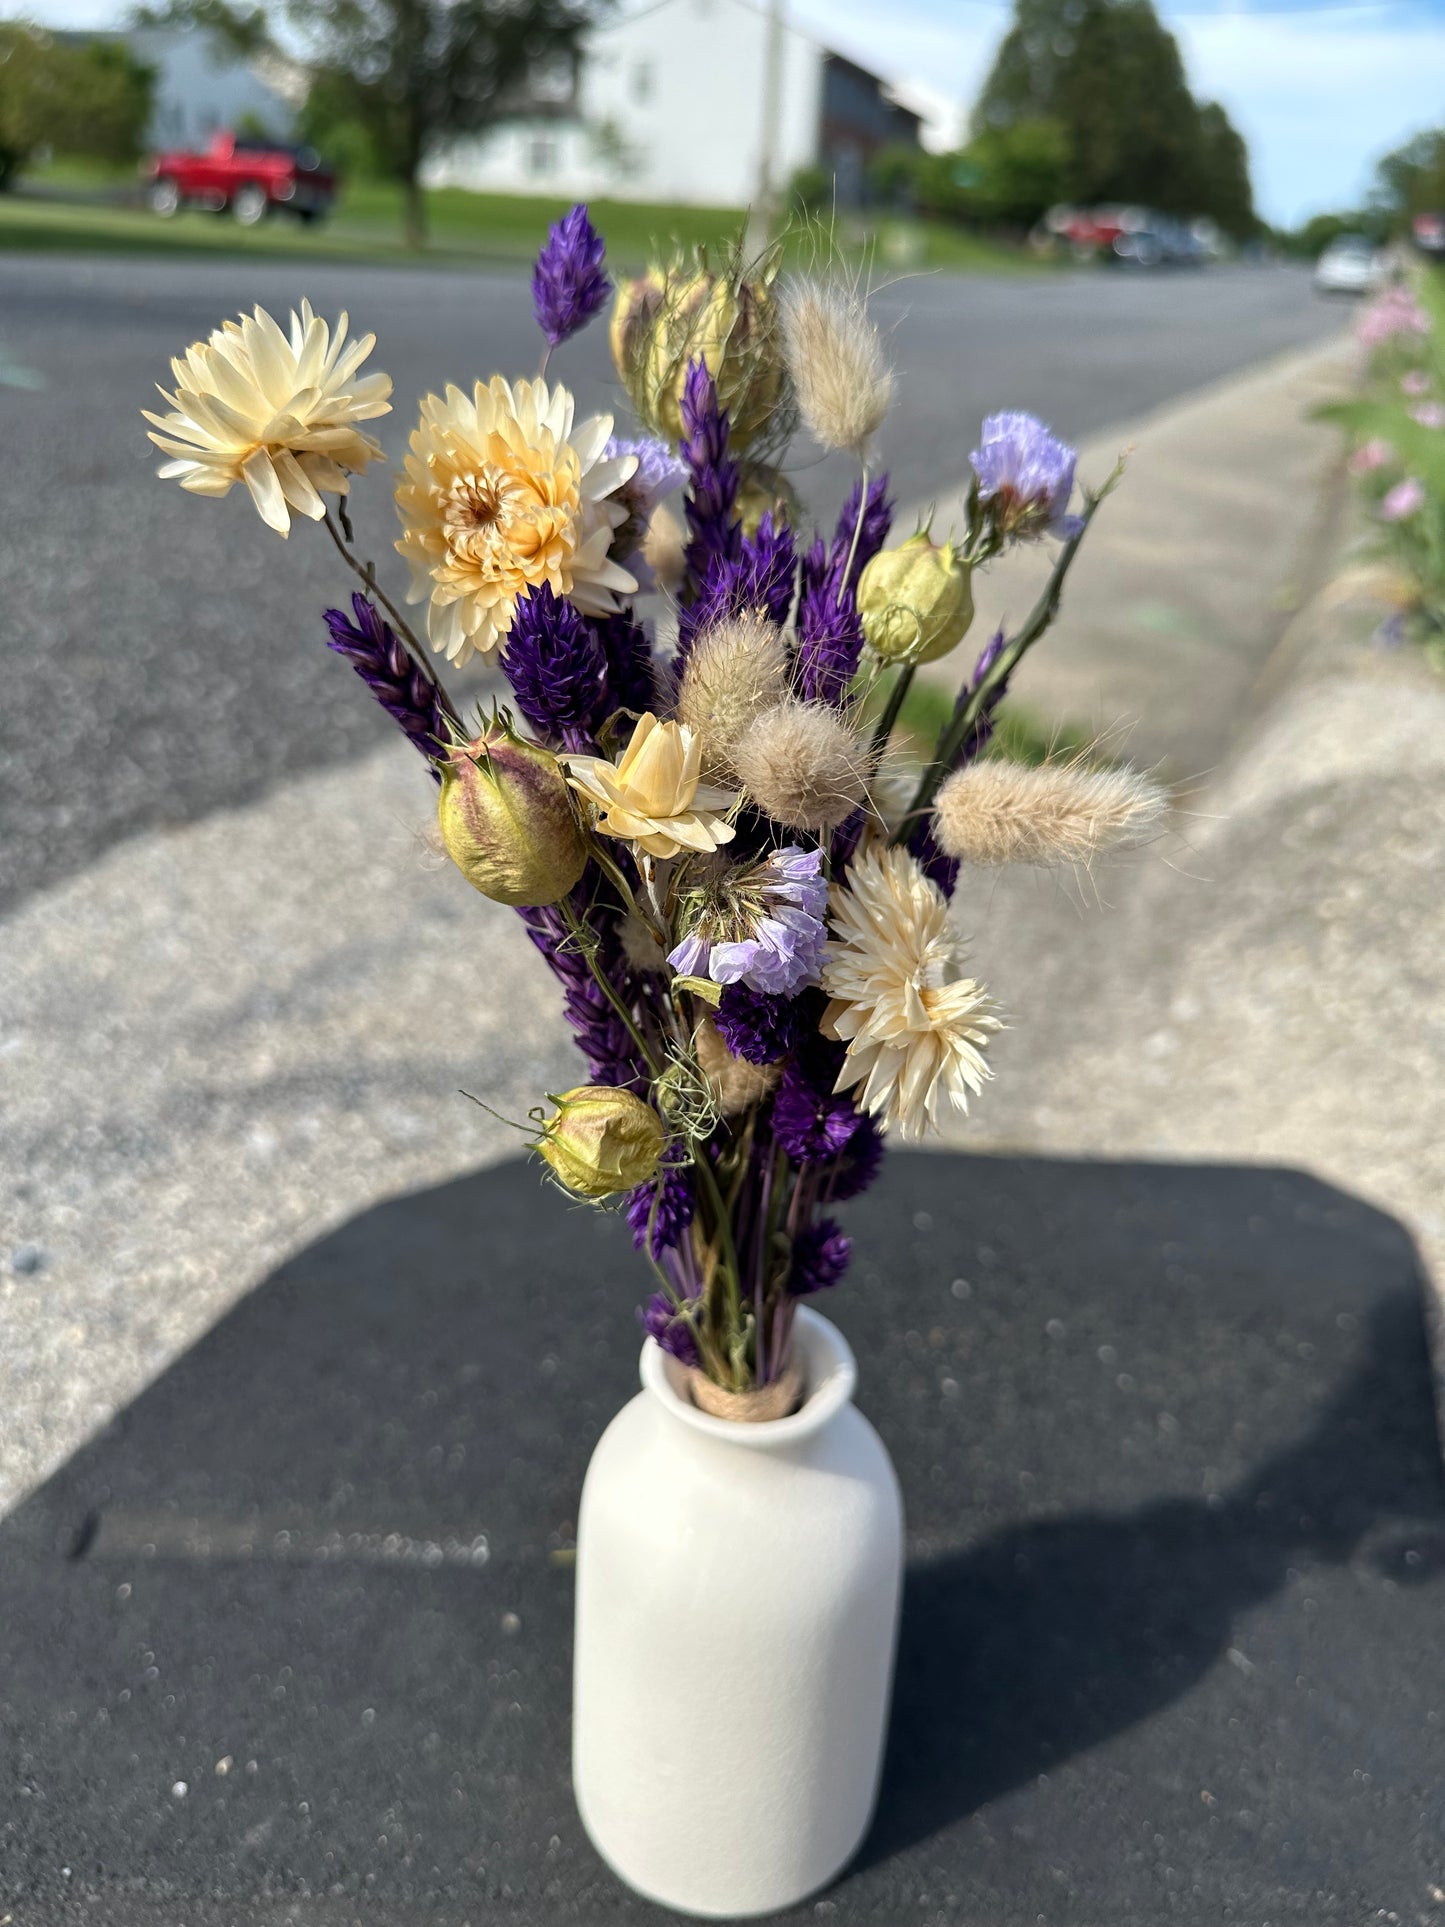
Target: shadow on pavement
x: 298, y: 1624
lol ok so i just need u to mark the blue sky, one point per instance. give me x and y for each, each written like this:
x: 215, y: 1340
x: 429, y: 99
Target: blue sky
x: 1319, y: 92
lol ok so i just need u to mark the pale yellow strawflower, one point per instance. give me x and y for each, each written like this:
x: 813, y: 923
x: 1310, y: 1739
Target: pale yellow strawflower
x: 502, y: 494
x: 655, y: 797
x: 915, y: 1026
x: 278, y: 412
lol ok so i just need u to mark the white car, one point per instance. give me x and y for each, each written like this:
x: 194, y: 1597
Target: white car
x: 1349, y: 265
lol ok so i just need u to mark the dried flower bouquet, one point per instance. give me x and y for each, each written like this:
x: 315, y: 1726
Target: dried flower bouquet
x: 725, y: 857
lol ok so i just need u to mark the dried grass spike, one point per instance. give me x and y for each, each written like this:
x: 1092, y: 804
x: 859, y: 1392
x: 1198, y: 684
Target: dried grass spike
x: 998, y: 812
x: 802, y: 765
x: 733, y: 671
x: 835, y: 357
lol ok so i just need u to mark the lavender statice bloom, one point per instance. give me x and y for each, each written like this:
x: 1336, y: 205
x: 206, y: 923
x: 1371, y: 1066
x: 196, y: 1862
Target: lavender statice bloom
x: 770, y: 933
x: 674, y: 1211
x: 758, y: 1028
x: 602, y: 1037
x: 662, y: 1321
x: 830, y: 635
x: 657, y: 474
x: 820, y: 1257
x: 1025, y: 477
x: 557, y: 668
x: 856, y: 1169
x: 630, y: 680
x: 712, y: 496
x: 811, y: 1122
x: 568, y: 284
x: 401, y: 686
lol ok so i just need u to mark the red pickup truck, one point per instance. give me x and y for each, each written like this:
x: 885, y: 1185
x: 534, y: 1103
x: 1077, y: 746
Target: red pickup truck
x: 248, y: 177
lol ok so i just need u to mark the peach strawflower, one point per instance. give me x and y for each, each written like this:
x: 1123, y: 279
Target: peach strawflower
x: 654, y: 797
x: 278, y: 412
x: 501, y: 495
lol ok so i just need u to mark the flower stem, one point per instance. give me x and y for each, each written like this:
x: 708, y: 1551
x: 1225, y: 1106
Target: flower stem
x: 604, y: 984
x: 729, y: 1254
x: 895, y: 702
x: 857, y: 531
x: 367, y: 573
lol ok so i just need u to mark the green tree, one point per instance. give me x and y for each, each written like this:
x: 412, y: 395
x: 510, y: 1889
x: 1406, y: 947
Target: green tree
x: 87, y: 98
x: 1225, y: 192
x: 413, y: 73
x: 1411, y: 181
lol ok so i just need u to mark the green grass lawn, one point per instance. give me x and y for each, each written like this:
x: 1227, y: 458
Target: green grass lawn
x: 464, y: 228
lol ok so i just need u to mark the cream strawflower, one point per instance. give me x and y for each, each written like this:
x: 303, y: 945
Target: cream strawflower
x: 501, y: 495
x: 277, y: 412
x: 915, y: 1027
x: 654, y: 797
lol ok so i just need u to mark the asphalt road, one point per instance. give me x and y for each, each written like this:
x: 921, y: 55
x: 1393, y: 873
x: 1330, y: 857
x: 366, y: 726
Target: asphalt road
x: 162, y: 656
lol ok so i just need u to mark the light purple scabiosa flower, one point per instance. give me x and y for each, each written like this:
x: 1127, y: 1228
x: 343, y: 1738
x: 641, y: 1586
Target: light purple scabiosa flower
x: 1025, y: 477
x: 1405, y: 499
x: 760, y: 925
x: 657, y: 474
x: 568, y: 283
x: 820, y: 1257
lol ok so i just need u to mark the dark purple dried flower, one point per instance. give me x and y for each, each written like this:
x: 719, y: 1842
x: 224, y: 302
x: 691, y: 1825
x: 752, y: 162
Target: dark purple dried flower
x: 602, y: 1037
x: 830, y: 636
x: 557, y: 668
x: 661, y: 1320
x: 404, y: 690
x: 811, y: 1123
x: 630, y: 680
x: 760, y: 576
x: 820, y: 1257
x: 568, y: 283
x: 858, y: 1166
x: 712, y: 495
x: 756, y: 1027
x: 674, y: 1211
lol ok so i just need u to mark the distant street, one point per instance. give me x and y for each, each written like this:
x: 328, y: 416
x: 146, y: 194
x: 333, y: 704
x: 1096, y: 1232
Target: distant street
x: 162, y: 656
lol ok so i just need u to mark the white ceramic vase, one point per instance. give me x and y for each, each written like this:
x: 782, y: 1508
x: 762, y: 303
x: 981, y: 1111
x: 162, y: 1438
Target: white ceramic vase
x: 737, y: 1613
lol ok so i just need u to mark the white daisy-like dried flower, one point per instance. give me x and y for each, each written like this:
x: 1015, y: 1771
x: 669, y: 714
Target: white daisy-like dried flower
x: 915, y: 1026
x: 733, y: 670
x: 1000, y: 812
x: 835, y: 357
x: 655, y: 797
x: 802, y: 765
x: 278, y: 412
x: 500, y: 495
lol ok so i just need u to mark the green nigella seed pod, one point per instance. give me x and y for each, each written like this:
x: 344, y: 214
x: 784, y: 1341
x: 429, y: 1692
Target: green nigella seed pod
x: 915, y: 601
x: 508, y: 820
x: 602, y: 1140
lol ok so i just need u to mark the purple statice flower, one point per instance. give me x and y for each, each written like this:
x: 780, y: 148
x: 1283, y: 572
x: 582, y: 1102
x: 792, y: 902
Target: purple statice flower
x: 758, y: 1028
x: 764, y: 928
x: 662, y: 1321
x: 602, y: 1037
x: 384, y: 664
x: 712, y: 495
x: 830, y: 635
x: 810, y: 1121
x: 674, y: 1211
x: 568, y: 283
x: 657, y: 474
x: 759, y: 577
x: 856, y: 1169
x: 820, y: 1257
x: 1025, y: 477
x: 557, y: 668
x: 628, y: 649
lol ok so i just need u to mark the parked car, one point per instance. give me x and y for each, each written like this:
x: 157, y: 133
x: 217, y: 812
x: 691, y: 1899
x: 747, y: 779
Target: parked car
x: 1351, y: 264
x: 245, y: 177
x: 1429, y: 233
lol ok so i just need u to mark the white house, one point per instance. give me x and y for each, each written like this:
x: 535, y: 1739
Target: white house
x: 668, y: 103
x: 202, y: 87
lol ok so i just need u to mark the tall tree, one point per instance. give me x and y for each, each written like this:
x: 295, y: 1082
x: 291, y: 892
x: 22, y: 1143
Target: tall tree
x: 90, y: 98
x: 415, y: 72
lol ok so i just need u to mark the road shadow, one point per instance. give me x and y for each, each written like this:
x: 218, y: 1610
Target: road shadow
x: 1176, y: 1519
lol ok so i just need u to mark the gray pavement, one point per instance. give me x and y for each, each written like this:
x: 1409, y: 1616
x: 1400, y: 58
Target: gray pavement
x: 162, y: 656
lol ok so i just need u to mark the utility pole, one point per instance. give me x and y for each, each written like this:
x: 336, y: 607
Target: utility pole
x: 766, y: 208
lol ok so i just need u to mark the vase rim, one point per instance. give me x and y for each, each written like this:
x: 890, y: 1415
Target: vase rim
x: 830, y: 1376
